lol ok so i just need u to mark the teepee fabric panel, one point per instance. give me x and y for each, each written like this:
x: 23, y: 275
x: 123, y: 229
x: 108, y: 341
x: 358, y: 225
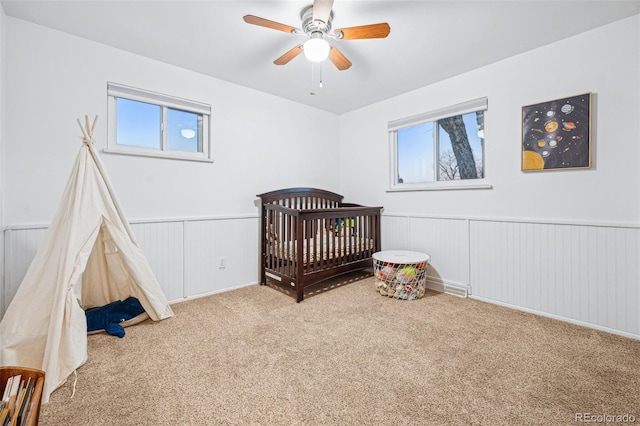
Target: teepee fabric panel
x: 142, y: 282
x: 98, y: 281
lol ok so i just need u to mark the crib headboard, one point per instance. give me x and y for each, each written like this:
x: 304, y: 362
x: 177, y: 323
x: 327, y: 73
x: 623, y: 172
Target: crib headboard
x: 302, y: 198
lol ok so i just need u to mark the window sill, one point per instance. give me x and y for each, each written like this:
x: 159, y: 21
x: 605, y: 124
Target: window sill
x: 449, y: 186
x: 171, y: 156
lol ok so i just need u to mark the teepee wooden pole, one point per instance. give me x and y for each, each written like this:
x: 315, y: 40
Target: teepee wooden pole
x: 93, y: 126
x: 84, y: 133
x: 87, y: 130
x: 88, y: 133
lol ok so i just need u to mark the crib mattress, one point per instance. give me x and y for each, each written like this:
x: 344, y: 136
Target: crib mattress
x: 321, y: 247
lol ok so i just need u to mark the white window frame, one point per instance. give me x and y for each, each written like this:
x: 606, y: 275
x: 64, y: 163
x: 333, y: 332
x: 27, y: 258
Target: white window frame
x: 393, y: 126
x: 115, y: 90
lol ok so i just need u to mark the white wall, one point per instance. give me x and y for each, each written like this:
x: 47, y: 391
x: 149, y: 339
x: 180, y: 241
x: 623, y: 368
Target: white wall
x: 260, y: 142
x: 565, y: 243
x: 2, y: 75
x: 603, y: 61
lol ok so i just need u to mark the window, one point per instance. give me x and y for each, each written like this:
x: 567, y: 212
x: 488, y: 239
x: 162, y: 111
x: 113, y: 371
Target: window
x: 156, y: 125
x: 442, y: 149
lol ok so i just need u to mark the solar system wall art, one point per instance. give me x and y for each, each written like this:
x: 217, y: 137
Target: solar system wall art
x: 557, y: 134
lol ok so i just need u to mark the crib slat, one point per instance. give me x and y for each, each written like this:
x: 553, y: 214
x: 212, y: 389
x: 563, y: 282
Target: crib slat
x: 307, y: 240
x: 323, y: 235
x: 340, y: 241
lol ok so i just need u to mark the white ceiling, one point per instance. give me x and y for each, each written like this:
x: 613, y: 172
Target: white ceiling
x: 429, y: 40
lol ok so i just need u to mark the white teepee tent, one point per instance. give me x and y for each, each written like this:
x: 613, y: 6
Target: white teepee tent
x: 89, y: 243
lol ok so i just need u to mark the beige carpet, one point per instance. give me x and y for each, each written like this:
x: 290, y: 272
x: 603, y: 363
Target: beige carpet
x: 349, y: 356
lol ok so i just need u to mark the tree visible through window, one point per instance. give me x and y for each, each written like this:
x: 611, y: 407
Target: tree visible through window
x: 447, y: 148
x: 466, y: 161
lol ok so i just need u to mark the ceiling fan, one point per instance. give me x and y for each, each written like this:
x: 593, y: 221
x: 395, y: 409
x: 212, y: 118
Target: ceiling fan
x: 316, y: 26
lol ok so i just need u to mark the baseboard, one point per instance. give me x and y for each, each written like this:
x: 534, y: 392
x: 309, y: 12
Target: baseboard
x: 559, y: 318
x: 211, y: 293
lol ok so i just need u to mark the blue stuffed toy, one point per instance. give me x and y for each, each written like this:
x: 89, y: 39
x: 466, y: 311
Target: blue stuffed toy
x: 109, y: 317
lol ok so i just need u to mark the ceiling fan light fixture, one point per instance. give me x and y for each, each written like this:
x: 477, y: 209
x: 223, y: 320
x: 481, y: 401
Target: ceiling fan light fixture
x: 188, y: 133
x: 316, y: 49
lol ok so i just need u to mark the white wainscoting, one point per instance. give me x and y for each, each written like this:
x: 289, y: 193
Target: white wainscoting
x: 183, y: 254
x: 207, y: 242
x: 588, y: 274
x: 445, y: 240
x: 585, y: 274
x: 20, y: 246
x: 582, y: 273
x: 163, y: 245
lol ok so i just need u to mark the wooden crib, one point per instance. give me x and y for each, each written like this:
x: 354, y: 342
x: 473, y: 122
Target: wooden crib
x: 308, y: 235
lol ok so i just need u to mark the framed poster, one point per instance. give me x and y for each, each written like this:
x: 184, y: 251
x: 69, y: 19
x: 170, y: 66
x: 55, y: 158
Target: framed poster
x: 557, y: 134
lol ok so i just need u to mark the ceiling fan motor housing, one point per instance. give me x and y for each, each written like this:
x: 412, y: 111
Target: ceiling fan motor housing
x: 310, y: 26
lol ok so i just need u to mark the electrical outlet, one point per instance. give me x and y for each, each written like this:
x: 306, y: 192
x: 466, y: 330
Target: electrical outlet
x: 221, y: 263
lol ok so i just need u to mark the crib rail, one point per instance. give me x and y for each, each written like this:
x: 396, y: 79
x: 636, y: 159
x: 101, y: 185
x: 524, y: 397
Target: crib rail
x: 310, y: 241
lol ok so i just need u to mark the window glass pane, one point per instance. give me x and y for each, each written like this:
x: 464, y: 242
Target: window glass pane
x: 415, y: 154
x: 138, y: 124
x: 184, y: 131
x: 467, y: 160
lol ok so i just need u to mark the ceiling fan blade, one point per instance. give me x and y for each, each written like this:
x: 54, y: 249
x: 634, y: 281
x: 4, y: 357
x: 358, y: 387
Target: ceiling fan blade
x: 339, y: 60
x: 261, y: 22
x: 322, y: 10
x: 292, y: 53
x: 380, y: 30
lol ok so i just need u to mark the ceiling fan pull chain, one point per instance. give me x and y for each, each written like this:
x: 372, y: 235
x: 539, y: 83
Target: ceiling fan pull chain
x: 312, y: 86
x: 316, y: 78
